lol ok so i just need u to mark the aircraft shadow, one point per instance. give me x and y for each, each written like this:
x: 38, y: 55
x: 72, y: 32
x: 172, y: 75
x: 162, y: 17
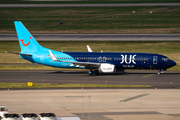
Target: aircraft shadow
x: 68, y: 72
x: 118, y: 73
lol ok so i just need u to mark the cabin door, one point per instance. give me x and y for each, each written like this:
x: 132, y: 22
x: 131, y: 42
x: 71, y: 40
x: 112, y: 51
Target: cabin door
x: 42, y: 58
x: 155, y: 59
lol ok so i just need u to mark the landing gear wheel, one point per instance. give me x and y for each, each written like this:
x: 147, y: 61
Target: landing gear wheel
x: 159, y: 72
x: 96, y: 72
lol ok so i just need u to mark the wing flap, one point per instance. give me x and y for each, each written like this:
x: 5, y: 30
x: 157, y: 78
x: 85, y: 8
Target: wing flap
x: 86, y: 64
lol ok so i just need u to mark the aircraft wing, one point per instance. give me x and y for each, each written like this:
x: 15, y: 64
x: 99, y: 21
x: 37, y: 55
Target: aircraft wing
x: 85, y: 64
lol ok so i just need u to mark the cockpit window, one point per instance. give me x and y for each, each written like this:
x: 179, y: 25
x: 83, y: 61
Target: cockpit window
x: 165, y: 59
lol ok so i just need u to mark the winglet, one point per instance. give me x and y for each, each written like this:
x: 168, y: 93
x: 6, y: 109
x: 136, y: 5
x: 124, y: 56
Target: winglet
x: 53, y: 56
x: 89, y: 49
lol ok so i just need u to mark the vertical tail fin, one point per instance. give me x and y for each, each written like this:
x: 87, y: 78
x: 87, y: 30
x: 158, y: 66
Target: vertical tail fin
x: 26, y: 41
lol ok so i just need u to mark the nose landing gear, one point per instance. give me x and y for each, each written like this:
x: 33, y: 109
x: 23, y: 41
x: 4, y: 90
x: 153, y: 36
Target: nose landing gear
x: 160, y: 71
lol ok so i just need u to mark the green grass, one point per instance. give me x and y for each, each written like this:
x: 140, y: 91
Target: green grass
x: 42, y: 67
x: 93, y: 19
x: 170, y: 49
x: 30, y: 67
x: 50, y: 85
x: 175, y: 68
x: 86, y: 1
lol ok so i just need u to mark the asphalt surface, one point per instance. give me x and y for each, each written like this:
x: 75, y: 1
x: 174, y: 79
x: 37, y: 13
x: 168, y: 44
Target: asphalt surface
x: 169, y: 79
x: 96, y: 37
x: 88, y: 5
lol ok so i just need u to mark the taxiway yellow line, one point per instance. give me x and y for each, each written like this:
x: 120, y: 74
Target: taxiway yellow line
x: 148, y: 75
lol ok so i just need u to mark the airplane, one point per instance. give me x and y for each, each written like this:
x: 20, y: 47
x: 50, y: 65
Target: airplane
x: 96, y: 62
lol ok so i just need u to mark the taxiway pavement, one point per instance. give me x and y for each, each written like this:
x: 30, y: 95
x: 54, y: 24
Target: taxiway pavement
x: 88, y: 5
x: 96, y: 37
x: 169, y: 79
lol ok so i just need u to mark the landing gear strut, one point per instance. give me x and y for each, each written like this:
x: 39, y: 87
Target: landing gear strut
x: 91, y: 71
x: 161, y: 71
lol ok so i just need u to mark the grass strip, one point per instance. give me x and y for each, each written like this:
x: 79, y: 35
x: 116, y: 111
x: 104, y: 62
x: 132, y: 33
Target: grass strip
x: 50, y: 85
x: 83, y: 1
x: 29, y: 67
x: 169, y: 49
x: 93, y: 19
x: 41, y: 67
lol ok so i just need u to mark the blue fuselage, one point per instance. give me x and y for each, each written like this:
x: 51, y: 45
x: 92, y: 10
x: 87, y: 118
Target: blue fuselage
x: 120, y: 60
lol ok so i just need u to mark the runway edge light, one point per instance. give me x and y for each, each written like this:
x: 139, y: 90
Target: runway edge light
x: 30, y: 83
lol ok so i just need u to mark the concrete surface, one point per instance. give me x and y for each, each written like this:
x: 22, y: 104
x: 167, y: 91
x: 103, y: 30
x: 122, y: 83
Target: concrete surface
x: 97, y: 104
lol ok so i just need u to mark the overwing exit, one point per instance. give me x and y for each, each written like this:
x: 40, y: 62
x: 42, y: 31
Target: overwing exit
x: 96, y: 62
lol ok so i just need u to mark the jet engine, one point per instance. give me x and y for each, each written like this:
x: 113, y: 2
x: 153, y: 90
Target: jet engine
x: 107, y: 68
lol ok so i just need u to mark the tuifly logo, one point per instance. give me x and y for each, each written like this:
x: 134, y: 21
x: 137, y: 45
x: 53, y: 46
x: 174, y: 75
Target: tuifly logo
x: 23, y: 42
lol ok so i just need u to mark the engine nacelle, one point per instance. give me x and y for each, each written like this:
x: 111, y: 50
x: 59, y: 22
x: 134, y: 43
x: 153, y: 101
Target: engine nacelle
x: 106, y: 68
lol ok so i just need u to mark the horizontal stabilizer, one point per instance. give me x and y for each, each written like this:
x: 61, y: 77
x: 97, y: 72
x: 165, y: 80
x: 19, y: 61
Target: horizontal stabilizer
x: 26, y: 54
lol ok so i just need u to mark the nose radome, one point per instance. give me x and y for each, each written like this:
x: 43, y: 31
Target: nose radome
x: 172, y: 63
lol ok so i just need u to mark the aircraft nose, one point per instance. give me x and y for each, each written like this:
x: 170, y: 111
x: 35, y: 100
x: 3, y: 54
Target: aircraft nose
x: 172, y: 63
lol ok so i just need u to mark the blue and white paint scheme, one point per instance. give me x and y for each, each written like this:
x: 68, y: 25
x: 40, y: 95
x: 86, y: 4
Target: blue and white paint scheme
x: 97, y: 62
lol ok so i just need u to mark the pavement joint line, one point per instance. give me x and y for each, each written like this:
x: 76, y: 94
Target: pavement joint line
x: 79, y: 96
x: 135, y: 97
x: 148, y: 75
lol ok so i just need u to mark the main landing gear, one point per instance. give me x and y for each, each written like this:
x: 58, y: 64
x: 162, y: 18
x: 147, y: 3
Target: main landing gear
x: 93, y: 72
